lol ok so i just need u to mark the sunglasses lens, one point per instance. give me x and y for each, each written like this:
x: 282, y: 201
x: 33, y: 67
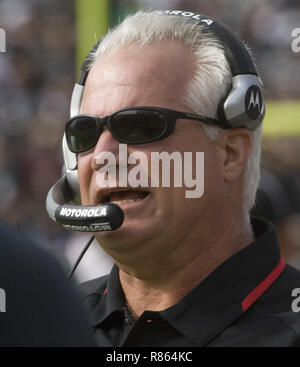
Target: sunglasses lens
x: 128, y: 126
x: 138, y: 126
x: 81, y: 134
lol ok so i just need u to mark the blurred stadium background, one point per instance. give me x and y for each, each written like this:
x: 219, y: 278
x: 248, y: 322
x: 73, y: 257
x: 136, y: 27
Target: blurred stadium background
x: 45, y: 44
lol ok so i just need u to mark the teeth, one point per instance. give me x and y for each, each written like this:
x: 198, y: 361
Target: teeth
x: 125, y: 201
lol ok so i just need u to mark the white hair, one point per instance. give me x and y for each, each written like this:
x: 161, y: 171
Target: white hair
x: 210, y: 83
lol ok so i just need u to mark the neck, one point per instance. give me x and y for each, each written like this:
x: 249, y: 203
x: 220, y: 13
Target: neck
x: 161, y: 283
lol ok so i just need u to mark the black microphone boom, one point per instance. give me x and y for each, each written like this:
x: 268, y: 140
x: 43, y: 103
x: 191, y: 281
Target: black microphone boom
x: 105, y: 217
x: 82, y: 218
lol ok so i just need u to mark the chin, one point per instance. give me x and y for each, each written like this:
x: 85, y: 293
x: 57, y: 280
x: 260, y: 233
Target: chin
x: 131, y: 234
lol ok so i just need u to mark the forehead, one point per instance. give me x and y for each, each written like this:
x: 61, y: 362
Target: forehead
x: 152, y: 75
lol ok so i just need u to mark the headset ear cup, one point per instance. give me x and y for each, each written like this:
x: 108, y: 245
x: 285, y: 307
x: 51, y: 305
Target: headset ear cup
x: 244, y: 104
x: 221, y: 112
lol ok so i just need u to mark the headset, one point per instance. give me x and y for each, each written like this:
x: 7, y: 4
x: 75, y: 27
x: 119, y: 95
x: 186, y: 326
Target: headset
x: 243, y: 106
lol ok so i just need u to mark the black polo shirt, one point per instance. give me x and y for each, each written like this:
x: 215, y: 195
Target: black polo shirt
x: 246, y: 301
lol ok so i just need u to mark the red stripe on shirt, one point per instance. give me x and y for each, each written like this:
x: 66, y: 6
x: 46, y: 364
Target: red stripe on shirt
x: 263, y: 286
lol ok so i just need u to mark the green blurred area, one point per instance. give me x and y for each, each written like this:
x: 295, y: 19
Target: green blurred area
x: 92, y: 22
x: 93, y: 19
x: 282, y: 118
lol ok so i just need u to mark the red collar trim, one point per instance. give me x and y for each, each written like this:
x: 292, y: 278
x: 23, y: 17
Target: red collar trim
x: 263, y: 286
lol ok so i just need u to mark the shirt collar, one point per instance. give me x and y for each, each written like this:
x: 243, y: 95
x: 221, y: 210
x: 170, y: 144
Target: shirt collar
x: 220, y: 298
x: 111, y: 300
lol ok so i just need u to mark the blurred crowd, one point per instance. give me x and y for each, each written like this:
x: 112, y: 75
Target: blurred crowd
x: 37, y: 73
x: 36, y: 77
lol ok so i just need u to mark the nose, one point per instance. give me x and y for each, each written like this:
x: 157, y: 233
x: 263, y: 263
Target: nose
x: 106, y: 143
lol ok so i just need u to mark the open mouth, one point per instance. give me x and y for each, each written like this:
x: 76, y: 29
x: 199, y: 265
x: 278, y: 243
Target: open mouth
x: 124, y: 197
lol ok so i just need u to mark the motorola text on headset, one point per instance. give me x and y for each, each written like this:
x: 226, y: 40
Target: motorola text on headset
x: 243, y: 106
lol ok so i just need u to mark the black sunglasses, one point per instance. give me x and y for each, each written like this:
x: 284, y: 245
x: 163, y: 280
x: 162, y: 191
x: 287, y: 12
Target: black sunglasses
x: 132, y: 125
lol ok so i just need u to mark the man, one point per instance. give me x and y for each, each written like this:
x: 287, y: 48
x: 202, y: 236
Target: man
x: 188, y: 271
x: 38, y: 307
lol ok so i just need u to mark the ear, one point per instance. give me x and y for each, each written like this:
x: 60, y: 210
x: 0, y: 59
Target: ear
x: 236, y: 147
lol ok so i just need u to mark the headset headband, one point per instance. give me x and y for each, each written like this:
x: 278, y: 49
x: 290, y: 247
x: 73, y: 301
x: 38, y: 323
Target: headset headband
x: 236, y: 53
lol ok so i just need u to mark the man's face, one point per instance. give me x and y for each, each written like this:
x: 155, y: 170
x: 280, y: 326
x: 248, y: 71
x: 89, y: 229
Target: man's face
x: 164, y: 218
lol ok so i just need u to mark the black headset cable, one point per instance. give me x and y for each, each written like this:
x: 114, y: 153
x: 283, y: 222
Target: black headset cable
x: 81, y: 256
